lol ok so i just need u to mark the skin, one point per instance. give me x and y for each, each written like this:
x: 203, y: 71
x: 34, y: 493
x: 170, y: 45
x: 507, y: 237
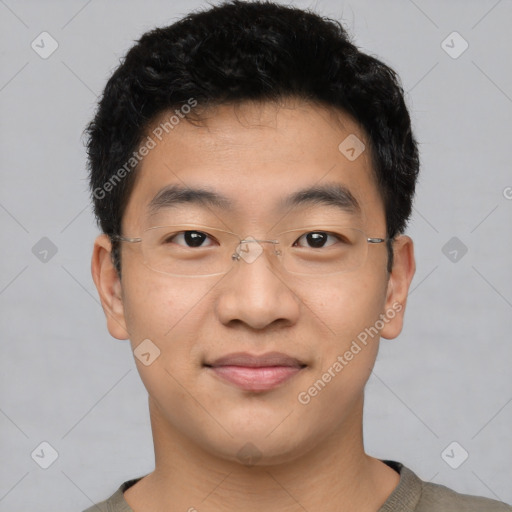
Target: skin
x: 308, y: 456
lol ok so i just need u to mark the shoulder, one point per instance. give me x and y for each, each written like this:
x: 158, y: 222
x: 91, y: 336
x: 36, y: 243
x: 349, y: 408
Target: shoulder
x: 116, y: 502
x: 413, y: 494
x: 438, y: 497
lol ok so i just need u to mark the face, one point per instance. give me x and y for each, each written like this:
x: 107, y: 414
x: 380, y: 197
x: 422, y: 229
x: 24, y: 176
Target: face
x: 256, y: 156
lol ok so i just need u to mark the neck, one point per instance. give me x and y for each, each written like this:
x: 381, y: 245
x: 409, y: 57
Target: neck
x: 334, y: 475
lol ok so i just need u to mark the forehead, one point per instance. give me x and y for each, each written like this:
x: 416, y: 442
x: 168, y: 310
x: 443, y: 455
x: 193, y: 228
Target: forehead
x: 253, y: 161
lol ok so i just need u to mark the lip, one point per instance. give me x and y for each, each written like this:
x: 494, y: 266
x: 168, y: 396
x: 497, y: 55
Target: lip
x: 257, y: 361
x: 256, y: 372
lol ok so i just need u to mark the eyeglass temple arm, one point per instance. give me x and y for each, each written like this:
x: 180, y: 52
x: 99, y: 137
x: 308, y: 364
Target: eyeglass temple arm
x: 119, y: 238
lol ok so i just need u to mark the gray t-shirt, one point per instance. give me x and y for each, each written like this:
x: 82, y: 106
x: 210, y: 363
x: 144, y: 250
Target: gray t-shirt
x: 410, y: 495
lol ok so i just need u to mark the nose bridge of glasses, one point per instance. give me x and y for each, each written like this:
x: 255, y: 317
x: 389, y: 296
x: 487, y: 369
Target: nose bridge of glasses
x: 249, y: 248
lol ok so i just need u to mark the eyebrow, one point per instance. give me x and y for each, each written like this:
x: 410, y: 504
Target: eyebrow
x: 329, y: 194
x: 176, y: 195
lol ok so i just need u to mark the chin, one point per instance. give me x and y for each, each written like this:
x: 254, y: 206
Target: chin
x: 256, y: 447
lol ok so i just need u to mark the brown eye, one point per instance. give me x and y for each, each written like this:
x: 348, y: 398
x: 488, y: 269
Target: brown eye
x: 191, y: 238
x: 317, y: 239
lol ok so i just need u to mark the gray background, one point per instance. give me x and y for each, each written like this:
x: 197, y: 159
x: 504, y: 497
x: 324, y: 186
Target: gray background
x: 67, y: 382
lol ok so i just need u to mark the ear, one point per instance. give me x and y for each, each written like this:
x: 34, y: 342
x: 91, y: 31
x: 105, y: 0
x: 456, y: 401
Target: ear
x: 108, y: 285
x: 404, y: 267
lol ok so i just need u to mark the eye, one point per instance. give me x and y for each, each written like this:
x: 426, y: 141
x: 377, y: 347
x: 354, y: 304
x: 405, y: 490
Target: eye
x: 191, y: 238
x: 319, y: 239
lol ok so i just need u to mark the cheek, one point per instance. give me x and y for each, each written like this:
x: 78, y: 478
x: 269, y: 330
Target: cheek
x: 172, y: 314
x: 163, y: 319
x: 344, y: 306
x: 346, y: 311
x: 155, y: 304
x: 148, y: 308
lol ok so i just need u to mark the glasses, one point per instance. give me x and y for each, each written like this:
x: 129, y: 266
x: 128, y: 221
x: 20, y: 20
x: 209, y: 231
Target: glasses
x: 195, y: 250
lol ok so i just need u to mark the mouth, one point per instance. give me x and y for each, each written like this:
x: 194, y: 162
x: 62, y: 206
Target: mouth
x: 256, y: 373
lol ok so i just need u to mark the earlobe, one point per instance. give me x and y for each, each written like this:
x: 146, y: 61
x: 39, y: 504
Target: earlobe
x: 402, y: 273
x: 108, y: 285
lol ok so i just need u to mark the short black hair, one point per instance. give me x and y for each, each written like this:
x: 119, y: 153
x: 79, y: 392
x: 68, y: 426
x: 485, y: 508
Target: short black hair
x: 242, y: 51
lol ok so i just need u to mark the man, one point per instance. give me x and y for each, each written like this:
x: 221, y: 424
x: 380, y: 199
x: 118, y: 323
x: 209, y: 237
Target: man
x: 253, y: 173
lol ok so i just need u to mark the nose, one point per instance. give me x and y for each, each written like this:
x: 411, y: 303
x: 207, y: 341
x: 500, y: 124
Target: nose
x: 255, y: 291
